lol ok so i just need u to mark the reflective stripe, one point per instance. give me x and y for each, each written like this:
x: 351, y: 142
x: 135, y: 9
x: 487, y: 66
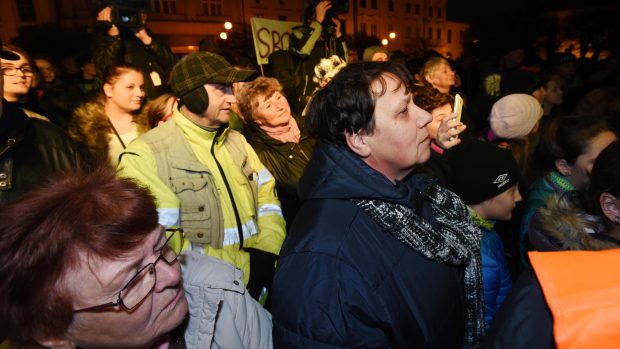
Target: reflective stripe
x: 169, y: 217
x: 231, y: 235
x: 269, y: 209
x: 264, y: 176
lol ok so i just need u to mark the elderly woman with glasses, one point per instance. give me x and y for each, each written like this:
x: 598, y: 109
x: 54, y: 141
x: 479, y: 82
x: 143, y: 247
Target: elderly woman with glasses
x: 89, y: 266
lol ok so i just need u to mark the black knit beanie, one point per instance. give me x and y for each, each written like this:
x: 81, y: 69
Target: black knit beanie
x: 481, y: 171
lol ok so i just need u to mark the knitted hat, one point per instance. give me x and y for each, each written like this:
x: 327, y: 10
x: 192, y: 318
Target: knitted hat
x: 517, y: 81
x: 369, y: 52
x: 514, y: 116
x: 482, y: 171
x: 196, y: 69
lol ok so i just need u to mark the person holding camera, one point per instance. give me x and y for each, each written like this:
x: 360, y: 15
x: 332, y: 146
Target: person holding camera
x: 319, y: 37
x: 123, y: 38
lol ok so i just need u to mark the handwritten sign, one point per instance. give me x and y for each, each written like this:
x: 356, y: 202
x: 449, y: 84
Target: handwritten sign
x: 270, y: 35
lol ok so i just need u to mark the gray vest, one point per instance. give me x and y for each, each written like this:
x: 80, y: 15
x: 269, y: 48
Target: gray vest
x: 193, y: 183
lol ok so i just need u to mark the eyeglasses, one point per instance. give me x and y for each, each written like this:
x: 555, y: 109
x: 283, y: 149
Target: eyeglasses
x: 12, y: 71
x: 143, y: 283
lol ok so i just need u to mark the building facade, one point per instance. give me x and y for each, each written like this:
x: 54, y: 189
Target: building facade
x: 416, y: 25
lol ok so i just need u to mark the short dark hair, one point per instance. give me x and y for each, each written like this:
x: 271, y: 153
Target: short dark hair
x: 347, y: 103
x: 43, y: 236
x: 430, y: 98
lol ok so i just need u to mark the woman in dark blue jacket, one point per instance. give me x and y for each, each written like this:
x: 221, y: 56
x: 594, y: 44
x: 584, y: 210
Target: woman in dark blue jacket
x: 377, y: 257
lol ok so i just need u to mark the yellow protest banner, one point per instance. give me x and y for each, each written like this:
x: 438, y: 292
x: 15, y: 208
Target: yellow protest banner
x: 270, y: 35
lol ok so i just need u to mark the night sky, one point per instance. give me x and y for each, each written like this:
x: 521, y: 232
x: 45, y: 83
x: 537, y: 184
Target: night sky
x: 465, y: 10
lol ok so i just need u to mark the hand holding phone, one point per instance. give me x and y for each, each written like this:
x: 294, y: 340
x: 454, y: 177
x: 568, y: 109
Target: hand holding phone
x: 458, y: 107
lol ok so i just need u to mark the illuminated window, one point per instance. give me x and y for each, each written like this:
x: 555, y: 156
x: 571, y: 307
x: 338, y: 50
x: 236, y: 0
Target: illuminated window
x: 212, y: 7
x: 164, y: 6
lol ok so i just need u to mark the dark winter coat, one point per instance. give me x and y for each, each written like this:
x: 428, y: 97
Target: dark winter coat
x: 90, y: 128
x: 31, y: 150
x: 342, y: 282
x: 156, y: 57
x: 285, y: 161
x: 563, y: 225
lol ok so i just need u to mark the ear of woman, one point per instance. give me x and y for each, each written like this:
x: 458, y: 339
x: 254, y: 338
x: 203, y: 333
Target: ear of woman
x: 610, y: 206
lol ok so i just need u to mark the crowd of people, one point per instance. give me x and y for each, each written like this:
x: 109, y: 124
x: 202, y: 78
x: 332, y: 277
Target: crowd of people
x: 154, y: 201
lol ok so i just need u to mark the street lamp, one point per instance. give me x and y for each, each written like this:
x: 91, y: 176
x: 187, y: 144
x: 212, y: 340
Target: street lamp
x: 223, y: 36
x: 392, y: 35
x: 227, y: 25
x: 384, y: 42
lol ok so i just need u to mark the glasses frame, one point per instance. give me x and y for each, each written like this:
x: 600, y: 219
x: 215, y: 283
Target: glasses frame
x: 21, y: 69
x: 119, y: 300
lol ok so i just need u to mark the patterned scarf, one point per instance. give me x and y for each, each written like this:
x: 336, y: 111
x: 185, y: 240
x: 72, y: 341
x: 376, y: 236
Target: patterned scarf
x: 455, y: 241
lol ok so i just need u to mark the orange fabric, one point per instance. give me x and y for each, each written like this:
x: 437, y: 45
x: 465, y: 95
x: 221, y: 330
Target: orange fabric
x: 582, y: 289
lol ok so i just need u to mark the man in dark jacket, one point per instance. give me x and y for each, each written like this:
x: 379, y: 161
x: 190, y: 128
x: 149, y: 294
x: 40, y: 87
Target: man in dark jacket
x: 376, y: 257
x: 30, y: 149
x: 132, y: 45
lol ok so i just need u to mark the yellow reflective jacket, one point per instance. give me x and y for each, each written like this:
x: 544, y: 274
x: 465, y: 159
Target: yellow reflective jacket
x: 174, y: 160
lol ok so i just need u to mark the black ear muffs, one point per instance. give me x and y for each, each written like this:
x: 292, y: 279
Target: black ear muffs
x: 197, y: 101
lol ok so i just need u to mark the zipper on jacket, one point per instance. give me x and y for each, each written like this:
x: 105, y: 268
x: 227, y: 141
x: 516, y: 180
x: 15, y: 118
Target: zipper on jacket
x: 230, y: 195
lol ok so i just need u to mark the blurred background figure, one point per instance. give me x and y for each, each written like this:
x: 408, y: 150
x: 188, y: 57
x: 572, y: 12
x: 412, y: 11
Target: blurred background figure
x: 131, y: 43
x: 160, y: 109
x: 375, y: 54
x: 55, y: 96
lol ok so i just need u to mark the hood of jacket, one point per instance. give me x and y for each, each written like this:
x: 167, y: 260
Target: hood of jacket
x: 337, y: 173
x: 564, y: 225
x: 90, y: 127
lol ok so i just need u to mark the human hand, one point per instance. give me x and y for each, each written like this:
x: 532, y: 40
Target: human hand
x: 321, y: 9
x: 143, y: 36
x: 448, y: 132
x: 337, y: 23
x: 105, y: 15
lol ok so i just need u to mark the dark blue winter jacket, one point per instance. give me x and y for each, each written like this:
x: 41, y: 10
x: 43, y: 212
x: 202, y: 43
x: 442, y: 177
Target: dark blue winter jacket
x: 342, y: 282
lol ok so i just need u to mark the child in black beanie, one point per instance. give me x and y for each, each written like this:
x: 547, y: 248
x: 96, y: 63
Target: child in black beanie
x: 486, y: 177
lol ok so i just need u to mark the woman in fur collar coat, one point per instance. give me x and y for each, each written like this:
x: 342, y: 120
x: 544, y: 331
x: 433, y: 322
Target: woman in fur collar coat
x: 105, y: 125
x: 584, y: 221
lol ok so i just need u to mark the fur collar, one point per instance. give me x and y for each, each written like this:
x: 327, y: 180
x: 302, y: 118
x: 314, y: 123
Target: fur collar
x: 90, y: 128
x: 571, y: 227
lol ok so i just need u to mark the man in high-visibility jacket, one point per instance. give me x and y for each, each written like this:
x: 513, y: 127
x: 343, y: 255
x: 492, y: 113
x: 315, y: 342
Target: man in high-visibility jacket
x: 206, y: 178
